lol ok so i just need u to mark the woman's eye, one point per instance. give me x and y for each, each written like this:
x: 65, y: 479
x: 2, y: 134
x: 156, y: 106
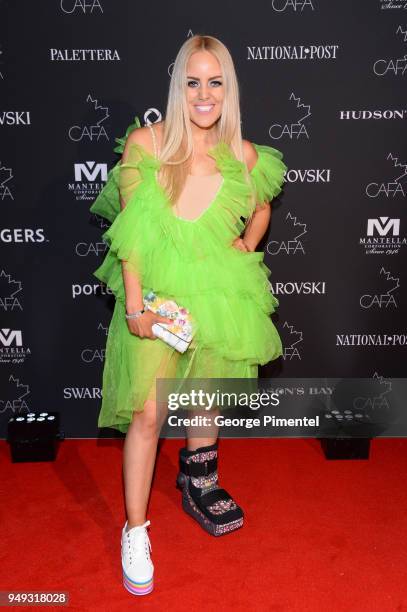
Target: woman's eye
x: 213, y: 83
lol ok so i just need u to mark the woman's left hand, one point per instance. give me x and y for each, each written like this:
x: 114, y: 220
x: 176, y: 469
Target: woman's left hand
x: 240, y: 244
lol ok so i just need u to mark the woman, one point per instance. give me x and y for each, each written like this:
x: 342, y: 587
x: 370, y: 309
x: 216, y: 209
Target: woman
x: 189, y: 203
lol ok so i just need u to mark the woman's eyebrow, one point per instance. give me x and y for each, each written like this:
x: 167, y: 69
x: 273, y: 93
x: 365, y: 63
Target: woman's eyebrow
x: 218, y: 76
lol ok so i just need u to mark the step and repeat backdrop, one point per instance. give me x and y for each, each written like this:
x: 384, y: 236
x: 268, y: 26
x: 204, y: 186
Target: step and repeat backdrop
x: 324, y: 82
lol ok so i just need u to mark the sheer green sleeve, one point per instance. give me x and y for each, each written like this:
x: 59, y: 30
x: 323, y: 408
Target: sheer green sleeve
x: 122, y: 179
x: 268, y: 173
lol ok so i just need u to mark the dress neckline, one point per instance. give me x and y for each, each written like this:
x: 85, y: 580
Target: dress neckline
x: 229, y: 170
x: 205, y: 210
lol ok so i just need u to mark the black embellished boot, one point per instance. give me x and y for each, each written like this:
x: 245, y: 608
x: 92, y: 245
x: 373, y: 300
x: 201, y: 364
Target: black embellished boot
x: 202, y: 498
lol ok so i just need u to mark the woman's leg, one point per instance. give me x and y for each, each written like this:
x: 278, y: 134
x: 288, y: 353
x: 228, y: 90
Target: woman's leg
x: 202, y: 436
x: 140, y: 446
x: 139, y: 454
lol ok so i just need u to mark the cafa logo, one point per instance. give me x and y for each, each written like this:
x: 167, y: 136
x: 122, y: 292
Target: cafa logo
x: 83, y: 249
x: 378, y: 399
x: 298, y: 127
x: 6, y: 175
x: 382, y: 237
x: 385, y: 297
x: 291, y: 341
x: 393, y: 66
x: 89, y: 177
x: 95, y: 130
x: 293, y: 243
x: 295, y: 6
x: 10, y: 293
x: 93, y: 354
x: 394, y: 187
x: 14, y: 396
x: 81, y: 6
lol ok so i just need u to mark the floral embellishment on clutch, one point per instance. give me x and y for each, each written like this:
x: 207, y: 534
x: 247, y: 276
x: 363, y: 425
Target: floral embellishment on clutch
x: 177, y: 334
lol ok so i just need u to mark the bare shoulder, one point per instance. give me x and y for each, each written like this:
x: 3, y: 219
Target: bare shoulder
x: 250, y: 154
x: 143, y: 136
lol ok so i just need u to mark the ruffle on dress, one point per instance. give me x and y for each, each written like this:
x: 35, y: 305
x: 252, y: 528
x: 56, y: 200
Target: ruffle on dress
x: 193, y: 261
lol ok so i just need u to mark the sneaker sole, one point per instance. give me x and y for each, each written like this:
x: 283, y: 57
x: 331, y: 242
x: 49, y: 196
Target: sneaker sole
x: 138, y: 588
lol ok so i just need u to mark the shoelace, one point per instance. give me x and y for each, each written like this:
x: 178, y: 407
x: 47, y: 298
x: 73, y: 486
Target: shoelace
x: 139, y: 527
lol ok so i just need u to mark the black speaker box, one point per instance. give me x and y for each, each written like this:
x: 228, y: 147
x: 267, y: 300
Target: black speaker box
x: 346, y: 448
x: 34, y: 436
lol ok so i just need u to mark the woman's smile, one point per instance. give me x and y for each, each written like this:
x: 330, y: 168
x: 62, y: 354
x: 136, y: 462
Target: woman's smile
x: 204, y: 108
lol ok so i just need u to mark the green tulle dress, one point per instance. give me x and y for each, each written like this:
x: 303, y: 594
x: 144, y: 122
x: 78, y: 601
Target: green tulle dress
x: 226, y: 290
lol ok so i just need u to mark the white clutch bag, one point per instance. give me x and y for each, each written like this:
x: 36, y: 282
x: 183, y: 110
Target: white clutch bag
x: 177, y: 334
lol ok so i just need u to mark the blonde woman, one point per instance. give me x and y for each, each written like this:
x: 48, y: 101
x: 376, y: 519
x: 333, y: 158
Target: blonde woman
x: 189, y: 203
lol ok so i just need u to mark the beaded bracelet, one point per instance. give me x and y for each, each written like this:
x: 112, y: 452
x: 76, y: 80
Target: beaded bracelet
x: 134, y: 315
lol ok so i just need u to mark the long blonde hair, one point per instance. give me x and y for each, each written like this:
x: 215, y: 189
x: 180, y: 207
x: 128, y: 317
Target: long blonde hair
x: 177, y: 142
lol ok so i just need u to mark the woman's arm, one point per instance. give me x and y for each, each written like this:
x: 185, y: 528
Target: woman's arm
x: 132, y: 285
x: 257, y: 226
x: 259, y: 222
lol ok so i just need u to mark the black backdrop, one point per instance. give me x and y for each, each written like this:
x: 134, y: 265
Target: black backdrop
x: 321, y: 81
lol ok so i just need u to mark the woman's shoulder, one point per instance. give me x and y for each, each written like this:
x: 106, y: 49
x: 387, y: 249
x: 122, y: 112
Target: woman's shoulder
x: 250, y: 154
x: 142, y: 136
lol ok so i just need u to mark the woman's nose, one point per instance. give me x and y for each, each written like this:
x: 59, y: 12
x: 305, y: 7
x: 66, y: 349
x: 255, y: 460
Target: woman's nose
x: 203, y: 93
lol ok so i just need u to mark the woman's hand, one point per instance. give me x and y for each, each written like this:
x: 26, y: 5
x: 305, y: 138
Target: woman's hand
x: 142, y: 325
x: 240, y: 244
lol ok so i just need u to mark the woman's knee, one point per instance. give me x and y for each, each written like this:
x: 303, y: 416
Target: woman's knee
x: 146, y: 422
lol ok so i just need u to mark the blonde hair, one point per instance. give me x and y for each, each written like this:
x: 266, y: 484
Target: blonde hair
x: 177, y: 142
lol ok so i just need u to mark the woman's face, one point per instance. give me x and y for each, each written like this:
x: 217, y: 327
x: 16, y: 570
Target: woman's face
x: 204, y: 89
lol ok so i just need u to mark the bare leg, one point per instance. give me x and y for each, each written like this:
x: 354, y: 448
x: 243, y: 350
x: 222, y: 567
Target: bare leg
x: 139, y: 455
x: 210, y: 431
x: 140, y: 446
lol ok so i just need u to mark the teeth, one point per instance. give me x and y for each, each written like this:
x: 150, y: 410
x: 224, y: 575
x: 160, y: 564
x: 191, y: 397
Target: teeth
x: 204, y: 108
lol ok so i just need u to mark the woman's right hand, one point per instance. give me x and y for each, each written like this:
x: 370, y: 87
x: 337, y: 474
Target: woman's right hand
x: 142, y: 325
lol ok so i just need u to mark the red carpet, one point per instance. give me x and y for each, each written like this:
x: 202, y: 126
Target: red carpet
x: 318, y: 535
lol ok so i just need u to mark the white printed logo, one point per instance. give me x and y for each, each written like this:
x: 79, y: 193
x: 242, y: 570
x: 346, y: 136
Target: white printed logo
x: 386, y: 297
x: 392, y: 188
x: 393, y: 66
x: 296, y: 129
x: 84, y: 6
x: 95, y: 131
x: 294, y: 243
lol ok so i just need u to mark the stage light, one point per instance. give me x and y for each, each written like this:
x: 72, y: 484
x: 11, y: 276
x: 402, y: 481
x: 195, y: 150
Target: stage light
x: 34, y: 436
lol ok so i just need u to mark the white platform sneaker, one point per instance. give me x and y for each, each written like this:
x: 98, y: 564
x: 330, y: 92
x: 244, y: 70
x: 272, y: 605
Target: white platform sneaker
x: 138, y: 569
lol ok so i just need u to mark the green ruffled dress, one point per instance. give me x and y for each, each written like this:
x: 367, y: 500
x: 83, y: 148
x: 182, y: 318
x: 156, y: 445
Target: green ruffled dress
x: 226, y: 290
